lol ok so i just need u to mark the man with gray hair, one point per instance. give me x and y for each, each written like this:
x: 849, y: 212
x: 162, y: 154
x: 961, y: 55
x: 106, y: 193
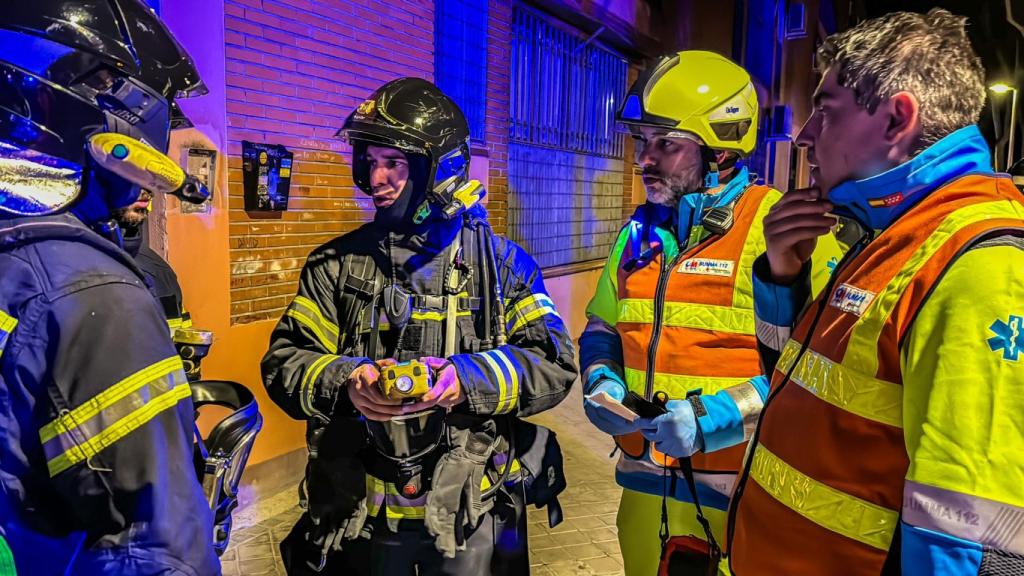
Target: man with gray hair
x: 891, y: 440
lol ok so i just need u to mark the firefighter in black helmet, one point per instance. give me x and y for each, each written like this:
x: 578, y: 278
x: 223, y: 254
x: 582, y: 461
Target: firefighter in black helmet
x: 96, y: 471
x: 425, y: 484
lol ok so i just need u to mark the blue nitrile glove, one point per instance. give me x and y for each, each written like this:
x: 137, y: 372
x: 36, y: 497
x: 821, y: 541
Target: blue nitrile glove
x: 675, y: 433
x: 607, y: 381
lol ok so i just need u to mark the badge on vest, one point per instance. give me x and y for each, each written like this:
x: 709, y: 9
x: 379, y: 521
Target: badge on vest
x: 851, y: 299
x: 707, y: 267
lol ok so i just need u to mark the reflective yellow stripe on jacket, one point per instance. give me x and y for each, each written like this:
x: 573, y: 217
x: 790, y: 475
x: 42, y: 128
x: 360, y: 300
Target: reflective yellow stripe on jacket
x: 379, y: 492
x: 529, y: 309
x: 309, y: 315
x: 79, y: 434
x: 845, y: 396
x: 688, y: 315
x: 7, y: 324
x: 822, y: 504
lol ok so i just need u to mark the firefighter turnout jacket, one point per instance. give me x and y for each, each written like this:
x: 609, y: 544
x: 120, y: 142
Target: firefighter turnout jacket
x: 162, y: 281
x: 96, y: 453
x: 327, y: 330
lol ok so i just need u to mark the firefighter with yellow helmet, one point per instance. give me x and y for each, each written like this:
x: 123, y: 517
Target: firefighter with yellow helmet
x: 670, y: 336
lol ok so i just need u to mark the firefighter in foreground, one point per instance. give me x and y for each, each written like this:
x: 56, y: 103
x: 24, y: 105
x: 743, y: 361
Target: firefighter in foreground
x: 673, y: 317
x: 423, y: 298
x: 96, y: 456
x: 892, y: 441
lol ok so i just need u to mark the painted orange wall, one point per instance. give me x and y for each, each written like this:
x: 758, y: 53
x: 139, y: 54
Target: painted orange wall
x: 198, y: 252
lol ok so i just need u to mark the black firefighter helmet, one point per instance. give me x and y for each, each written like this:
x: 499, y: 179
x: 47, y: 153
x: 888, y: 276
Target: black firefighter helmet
x: 70, y: 70
x: 414, y: 116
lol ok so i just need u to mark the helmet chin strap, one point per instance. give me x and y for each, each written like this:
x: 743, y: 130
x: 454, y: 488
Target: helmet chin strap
x: 711, y: 168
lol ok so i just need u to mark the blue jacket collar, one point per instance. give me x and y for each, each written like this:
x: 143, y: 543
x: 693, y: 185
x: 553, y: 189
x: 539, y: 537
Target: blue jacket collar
x: 692, y: 206
x: 877, y: 202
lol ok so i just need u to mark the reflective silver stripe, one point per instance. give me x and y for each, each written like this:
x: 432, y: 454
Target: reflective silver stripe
x: 987, y: 522
x: 721, y: 483
x: 511, y: 398
x: 771, y: 335
x: 749, y: 403
x: 528, y: 310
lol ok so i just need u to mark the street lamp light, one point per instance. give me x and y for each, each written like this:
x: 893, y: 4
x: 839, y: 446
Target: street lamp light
x: 1003, y: 88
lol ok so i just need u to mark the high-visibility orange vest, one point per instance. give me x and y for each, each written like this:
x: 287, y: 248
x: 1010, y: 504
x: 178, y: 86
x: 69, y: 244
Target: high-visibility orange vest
x: 824, y: 486
x: 700, y: 330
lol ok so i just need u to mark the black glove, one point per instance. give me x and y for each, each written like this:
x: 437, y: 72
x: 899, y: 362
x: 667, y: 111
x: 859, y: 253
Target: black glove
x: 454, y: 505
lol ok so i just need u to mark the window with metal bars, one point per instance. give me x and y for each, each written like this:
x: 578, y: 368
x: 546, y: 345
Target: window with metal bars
x: 565, y: 156
x: 565, y: 90
x: 460, y: 62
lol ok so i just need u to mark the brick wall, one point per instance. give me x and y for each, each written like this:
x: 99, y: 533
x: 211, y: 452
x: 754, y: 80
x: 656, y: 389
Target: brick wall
x: 580, y: 211
x: 498, y: 65
x: 295, y: 69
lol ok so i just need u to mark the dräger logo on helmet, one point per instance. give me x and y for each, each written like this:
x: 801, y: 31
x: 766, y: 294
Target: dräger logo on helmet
x: 851, y: 299
x: 707, y: 266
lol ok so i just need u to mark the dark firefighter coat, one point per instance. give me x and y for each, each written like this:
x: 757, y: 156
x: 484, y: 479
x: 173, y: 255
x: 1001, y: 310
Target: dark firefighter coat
x: 323, y: 335
x: 96, y: 473
x: 162, y: 281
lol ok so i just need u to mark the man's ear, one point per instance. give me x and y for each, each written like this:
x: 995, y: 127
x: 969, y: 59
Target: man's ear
x: 721, y: 156
x: 904, y: 123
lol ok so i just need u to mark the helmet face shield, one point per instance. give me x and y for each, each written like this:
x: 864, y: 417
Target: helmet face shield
x: 34, y: 183
x: 71, y: 70
x: 452, y: 169
x: 416, y: 158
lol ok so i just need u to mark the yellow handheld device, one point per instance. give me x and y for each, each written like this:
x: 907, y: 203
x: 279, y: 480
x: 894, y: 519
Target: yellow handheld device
x: 410, y: 379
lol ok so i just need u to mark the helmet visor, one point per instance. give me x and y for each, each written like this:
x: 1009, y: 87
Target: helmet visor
x: 34, y: 183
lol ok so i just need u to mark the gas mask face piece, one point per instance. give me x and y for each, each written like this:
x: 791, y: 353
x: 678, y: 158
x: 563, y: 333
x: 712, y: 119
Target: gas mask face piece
x: 410, y: 446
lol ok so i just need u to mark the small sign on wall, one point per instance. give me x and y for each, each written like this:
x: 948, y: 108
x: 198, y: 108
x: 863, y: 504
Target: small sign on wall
x: 201, y: 163
x: 266, y: 176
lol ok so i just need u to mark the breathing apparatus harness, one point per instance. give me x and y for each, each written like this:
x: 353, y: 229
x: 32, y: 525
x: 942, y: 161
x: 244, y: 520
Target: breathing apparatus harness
x: 409, y: 446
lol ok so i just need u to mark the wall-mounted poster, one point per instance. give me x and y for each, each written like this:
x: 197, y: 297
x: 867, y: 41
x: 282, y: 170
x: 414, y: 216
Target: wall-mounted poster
x: 266, y: 176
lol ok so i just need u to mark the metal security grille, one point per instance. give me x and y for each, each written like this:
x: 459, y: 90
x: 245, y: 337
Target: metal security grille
x: 460, y: 64
x: 565, y: 91
x: 565, y: 158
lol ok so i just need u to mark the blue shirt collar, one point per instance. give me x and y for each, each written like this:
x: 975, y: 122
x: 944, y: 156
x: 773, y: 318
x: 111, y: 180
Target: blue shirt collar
x: 693, y: 205
x: 877, y: 202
